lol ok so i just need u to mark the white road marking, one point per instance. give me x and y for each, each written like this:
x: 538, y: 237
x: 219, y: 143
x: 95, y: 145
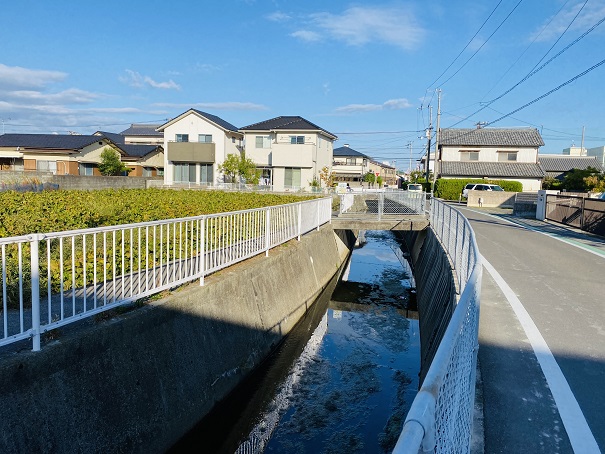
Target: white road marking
x: 581, y: 437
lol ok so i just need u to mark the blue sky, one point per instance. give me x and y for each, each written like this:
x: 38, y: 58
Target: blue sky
x: 364, y: 71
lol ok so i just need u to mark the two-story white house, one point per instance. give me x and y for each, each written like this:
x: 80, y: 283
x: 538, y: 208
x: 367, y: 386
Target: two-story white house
x: 289, y: 150
x: 490, y: 153
x: 195, y: 144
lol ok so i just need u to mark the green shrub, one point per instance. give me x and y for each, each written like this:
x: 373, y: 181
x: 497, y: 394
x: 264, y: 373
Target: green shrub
x: 451, y: 188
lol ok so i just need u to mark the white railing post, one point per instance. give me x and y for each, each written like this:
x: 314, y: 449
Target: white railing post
x: 267, y: 232
x: 380, y: 204
x: 299, y: 219
x: 35, y: 282
x: 318, y: 213
x: 202, y: 259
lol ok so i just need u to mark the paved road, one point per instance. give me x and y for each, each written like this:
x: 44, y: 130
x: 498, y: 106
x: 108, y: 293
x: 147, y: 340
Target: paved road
x: 542, y: 337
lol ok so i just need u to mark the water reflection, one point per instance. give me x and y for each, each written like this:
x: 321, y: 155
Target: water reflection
x: 352, y: 385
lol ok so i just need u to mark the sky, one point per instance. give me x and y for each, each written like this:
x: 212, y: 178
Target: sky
x: 369, y: 72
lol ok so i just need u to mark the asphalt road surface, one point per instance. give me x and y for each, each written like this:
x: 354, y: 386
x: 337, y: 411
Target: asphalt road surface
x: 541, y: 336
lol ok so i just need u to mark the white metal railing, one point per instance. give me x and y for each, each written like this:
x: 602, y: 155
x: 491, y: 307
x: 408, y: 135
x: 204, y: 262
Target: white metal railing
x: 383, y: 203
x: 440, y: 418
x: 53, y: 279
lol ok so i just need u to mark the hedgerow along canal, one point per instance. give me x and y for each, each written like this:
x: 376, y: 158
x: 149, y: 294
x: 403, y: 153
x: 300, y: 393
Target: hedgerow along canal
x: 342, y: 381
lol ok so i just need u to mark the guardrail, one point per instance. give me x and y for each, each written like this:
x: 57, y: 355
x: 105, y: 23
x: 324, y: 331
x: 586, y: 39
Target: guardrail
x: 440, y: 418
x: 54, y: 279
x: 384, y: 203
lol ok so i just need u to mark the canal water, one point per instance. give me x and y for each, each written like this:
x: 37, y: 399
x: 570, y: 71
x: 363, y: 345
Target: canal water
x: 342, y: 381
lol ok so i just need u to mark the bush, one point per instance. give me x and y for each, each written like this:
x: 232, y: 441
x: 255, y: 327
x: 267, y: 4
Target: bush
x: 451, y: 188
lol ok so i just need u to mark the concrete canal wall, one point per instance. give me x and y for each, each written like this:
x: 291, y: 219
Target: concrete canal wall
x: 139, y: 381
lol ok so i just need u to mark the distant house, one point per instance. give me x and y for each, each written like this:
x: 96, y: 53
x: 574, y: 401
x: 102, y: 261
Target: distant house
x: 290, y: 151
x: 195, y: 144
x: 557, y: 166
x: 145, y: 160
x: 349, y: 165
x: 489, y: 153
x: 54, y: 153
x: 143, y: 134
x: 599, y: 153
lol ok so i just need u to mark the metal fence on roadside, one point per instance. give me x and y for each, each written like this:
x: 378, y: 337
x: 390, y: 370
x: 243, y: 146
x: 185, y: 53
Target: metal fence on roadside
x: 440, y: 418
x: 54, y: 279
x: 576, y: 211
x: 382, y: 204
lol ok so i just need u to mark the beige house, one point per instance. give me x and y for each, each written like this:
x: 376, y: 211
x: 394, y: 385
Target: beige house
x: 195, y: 144
x: 289, y: 150
x: 491, y: 154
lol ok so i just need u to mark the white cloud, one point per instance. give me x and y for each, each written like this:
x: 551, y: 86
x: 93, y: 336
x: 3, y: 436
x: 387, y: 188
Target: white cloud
x: 307, y: 35
x: 16, y: 77
x: 215, y: 106
x: 137, y: 80
x: 391, y: 104
x: 358, y: 25
x: 554, y: 26
x: 278, y: 16
x: 70, y: 96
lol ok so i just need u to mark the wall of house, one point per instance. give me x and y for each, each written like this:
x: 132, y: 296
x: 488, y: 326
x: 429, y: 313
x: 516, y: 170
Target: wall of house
x: 597, y: 152
x: 261, y: 156
x: 194, y: 125
x: 92, y: 153
x: 490, y: 154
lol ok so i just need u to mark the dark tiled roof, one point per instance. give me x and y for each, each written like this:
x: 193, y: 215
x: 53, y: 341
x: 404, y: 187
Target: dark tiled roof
x: 491, y: 137
x: 287, y: 123
x: 138, y: 151
x: 47, y: 141
x: 142, y: 130
x: 561, y: 163
x: 114, y: 137
x: 218, y: 120
x: 491, y: 169
x: 348, y: 151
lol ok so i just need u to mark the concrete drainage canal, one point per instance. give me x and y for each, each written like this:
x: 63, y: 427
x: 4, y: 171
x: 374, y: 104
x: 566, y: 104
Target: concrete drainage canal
x: 342, y: 381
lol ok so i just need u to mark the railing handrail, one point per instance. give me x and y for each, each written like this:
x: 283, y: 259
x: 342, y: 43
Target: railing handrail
x: 96, y: 269
x: 421, y: 428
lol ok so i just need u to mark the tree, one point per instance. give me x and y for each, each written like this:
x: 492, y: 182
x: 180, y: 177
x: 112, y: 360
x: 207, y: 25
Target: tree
x: 579, y: 179
x: 379, y: 181
x: 240, y: 166
x: 110, y: 164
x: 370, y: 178
x: 327, y: 176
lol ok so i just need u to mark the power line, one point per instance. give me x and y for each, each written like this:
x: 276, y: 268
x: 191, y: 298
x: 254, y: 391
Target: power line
x: 548, y: 93
x: 465, y: 47
x: 484, y: 43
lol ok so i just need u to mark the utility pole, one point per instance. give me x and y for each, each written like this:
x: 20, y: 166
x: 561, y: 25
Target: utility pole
x: 582, y: 144
x: 437, y: 134
x: 410, y: 167
x: 428, y: 147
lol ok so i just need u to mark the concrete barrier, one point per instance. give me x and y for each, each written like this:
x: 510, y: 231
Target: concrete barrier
x: 491, y: 199
x: 138, y: 382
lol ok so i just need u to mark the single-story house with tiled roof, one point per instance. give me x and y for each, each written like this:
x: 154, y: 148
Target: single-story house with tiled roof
x: 557, y: 166
x: 290, y: 151
x: 56, y: 153
x: 196, y: 143
x: 491, y: 153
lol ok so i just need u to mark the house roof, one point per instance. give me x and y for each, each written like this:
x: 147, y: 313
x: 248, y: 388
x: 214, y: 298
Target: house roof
x: 114, y: 137
x: 212, y: 118
x: 491, y: 169
x: 136, y: 150
x: 48, y: 141
x: 137, y: 129
x: 491, y: 137
x: 348, y: 151
x: 561, y: 163
x: 286, y: 123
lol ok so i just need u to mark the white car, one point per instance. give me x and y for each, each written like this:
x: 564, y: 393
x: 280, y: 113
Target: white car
x: 414, y: 187
x: 480, y: 187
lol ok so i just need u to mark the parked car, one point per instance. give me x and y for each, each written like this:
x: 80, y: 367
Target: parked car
x: 480, y: 187
x: 413, y: 187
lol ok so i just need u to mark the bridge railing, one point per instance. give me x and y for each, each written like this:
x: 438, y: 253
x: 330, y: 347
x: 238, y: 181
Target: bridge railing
x: 440, y: 418
x: 381, y: 204
x: 54, y: 279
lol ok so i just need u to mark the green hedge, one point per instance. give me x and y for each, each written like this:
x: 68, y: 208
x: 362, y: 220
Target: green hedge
x: 451, y: 188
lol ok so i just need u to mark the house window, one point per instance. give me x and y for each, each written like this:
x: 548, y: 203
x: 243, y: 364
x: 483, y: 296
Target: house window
x: 263, y: 141
x: 507, y: 156
x: 160, y: 172
x: 351, y: 161
x: 292, y: 177
x: 86, y: 169
x: 204, y: 138
x: 181, y: 137
x: 46, y: 166
x: 147, y: 172
x: 297, y: 140
x: 469, y: 155
x: 232, y: 139
x: 206, y: 174
x: 184, y: 173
